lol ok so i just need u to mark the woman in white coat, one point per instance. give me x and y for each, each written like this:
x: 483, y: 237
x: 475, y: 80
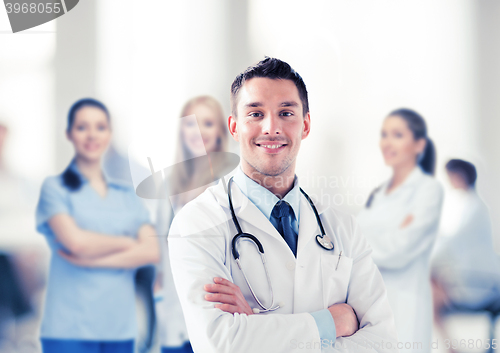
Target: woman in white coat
x: 202, y: 131
x: 401, y: 220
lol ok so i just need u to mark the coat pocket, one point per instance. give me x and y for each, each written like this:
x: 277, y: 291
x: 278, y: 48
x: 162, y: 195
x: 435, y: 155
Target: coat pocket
x: 336, y: 272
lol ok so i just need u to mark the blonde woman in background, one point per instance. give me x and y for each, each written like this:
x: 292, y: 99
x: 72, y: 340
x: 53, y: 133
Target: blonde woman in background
x: 203, y: 116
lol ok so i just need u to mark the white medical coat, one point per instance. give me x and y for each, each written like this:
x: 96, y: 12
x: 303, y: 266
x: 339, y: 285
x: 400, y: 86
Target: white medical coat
x: 200, y: 249
x: 402, y: 254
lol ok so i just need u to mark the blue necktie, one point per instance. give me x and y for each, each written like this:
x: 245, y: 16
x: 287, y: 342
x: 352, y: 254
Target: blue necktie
x: 282, y: 212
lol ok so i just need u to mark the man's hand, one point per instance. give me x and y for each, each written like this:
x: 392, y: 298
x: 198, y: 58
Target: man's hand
x: 229, y: 295
x: 346, y: 322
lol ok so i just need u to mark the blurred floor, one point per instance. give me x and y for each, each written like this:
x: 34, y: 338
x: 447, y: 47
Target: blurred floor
x: 472, y: 328
x: 22, y: 335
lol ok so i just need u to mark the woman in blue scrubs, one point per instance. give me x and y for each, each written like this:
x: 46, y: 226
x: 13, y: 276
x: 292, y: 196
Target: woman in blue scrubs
x: 99, y: 232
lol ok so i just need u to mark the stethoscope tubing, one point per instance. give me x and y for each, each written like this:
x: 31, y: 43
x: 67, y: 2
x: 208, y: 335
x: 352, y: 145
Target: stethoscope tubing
x: 260, y: 248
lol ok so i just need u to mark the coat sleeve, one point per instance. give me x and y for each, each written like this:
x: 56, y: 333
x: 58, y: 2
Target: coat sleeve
x: 197, y: 248
x: 367, y: 295
x: 399, y: 247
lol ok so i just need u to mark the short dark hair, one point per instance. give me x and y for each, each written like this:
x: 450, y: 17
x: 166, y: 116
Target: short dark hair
x: 465, y: 169
x: 270, y: 68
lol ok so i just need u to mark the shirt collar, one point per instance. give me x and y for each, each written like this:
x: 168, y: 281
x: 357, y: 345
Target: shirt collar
x: 107, y: 179
x: 413, y: 177
x: 263, y: 198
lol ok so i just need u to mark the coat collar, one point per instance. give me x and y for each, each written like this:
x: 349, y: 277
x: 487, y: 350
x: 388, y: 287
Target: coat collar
x: 414, y: 177
x: 263, y: 198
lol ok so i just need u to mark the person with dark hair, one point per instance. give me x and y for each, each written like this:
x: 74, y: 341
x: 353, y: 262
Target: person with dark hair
x: 400, y: 221
x: 462, y: 174
x: 99, y: 233
x: 465, y: 267
x: 317, y: 287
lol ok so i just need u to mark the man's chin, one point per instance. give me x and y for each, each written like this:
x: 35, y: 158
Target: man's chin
x: 272, y: 170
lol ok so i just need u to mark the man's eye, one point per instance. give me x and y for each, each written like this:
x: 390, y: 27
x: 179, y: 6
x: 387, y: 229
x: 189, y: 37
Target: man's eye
x: 287, y: 114
x: 80, y: 128
x: 255, y: 115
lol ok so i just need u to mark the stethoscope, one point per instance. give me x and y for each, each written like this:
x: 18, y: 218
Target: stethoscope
x: 323, y: 240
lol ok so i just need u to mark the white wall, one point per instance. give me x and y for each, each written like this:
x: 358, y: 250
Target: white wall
x: 362, y: 59
x: 488, y: 117
x: 153, y: 58
x: 27, y: 98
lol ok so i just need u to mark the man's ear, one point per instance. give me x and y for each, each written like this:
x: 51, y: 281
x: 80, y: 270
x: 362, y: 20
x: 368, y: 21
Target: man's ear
x: 232, y: 125
x: 68, y: 136
x: 307, y: 126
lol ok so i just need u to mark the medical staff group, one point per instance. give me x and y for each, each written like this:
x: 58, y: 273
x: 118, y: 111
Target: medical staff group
x: 252, y: 262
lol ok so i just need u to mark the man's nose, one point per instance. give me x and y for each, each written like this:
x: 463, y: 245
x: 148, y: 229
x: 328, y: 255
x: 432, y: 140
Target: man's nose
x: 272, y: 124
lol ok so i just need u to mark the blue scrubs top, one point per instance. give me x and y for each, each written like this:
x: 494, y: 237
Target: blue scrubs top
x: 89, y: 303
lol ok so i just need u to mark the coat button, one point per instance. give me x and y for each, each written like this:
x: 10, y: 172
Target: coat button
x: 290, y: 265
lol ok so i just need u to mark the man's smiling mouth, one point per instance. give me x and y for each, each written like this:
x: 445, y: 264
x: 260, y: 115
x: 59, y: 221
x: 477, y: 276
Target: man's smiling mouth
x: 270, y: 146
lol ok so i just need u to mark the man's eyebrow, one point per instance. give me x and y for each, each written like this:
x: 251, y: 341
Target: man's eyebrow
x: 259, y: 104
x: 290, y: 104
x: 253, y: 105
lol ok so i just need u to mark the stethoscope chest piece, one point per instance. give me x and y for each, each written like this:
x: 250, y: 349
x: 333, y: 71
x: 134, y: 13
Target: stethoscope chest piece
x: 324, y: 241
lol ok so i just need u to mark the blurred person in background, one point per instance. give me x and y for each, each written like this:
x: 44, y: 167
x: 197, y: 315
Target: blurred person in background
x: 13, y: 300
x: 465, y: 266
x: 117, y: 167
x: 401, y: 220
x: 202, y: 130
x: 99, y: 233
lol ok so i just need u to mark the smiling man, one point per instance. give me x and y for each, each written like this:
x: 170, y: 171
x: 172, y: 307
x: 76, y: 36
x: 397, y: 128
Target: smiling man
x: 266, y: 268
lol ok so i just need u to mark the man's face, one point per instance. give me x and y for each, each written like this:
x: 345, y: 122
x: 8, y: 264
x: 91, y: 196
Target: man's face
x: 270, y: 126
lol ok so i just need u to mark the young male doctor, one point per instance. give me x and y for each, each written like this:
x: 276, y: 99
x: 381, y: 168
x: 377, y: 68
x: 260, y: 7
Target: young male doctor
x: 304, y: 297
